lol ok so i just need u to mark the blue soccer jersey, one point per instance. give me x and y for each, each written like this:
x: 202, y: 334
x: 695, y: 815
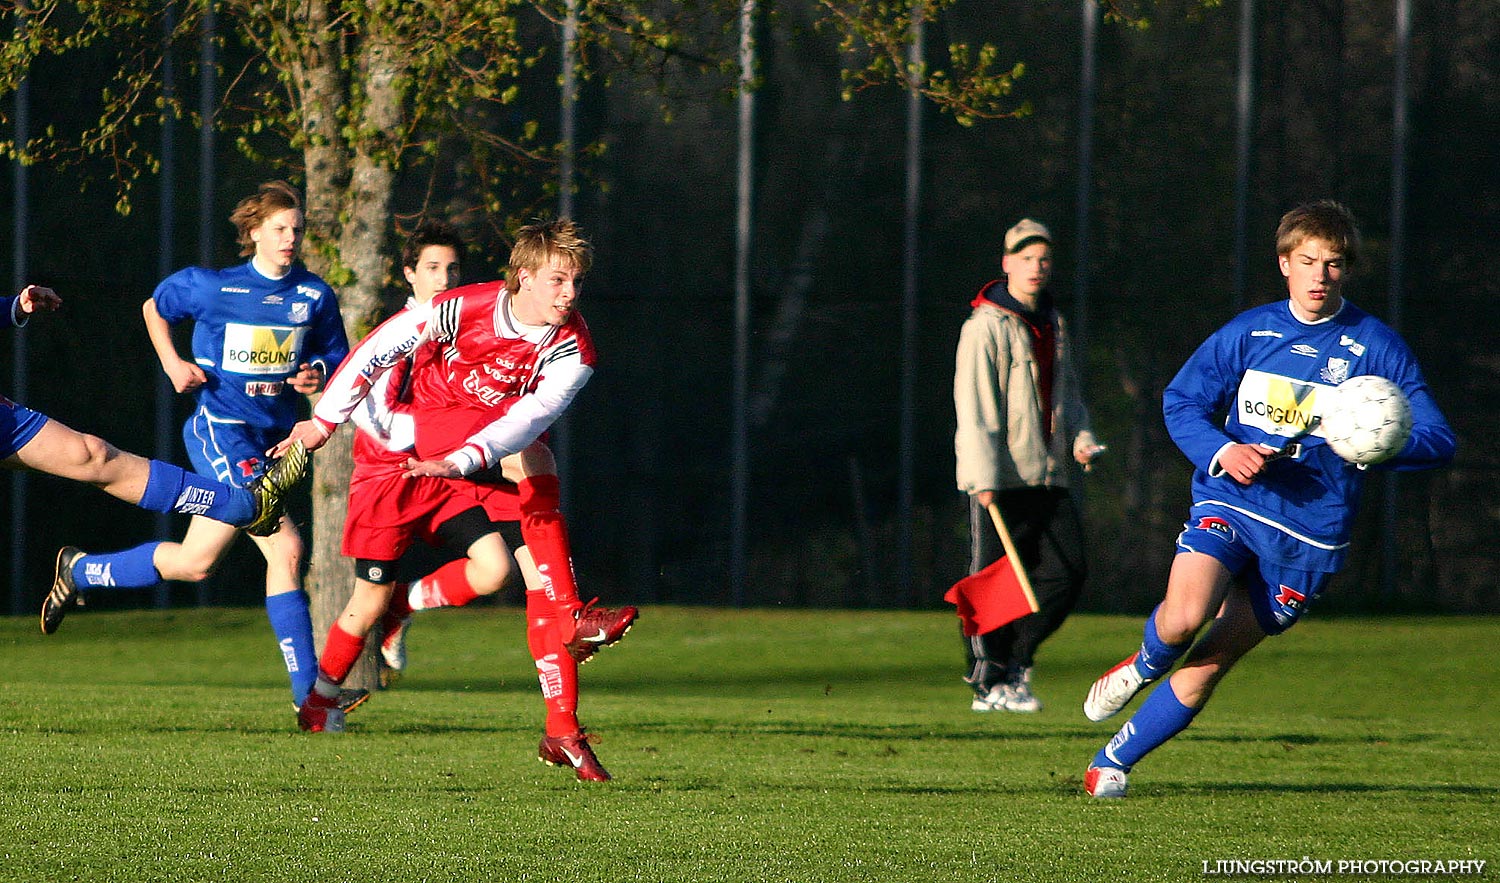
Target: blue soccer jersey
x: 1264, y: 372
x: 251, y: 333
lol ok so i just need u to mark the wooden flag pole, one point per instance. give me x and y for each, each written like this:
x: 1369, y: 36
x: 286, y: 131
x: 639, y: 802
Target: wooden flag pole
x: 1015, y: 557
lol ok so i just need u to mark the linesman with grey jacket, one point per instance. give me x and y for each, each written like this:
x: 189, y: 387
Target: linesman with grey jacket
x: 1022, y: 427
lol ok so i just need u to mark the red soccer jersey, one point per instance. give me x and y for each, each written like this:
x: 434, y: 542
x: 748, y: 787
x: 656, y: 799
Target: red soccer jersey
x: 478, y: 364
x: 481, y: 384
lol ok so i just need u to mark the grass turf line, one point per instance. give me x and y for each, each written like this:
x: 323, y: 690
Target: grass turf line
x: 746, y: 745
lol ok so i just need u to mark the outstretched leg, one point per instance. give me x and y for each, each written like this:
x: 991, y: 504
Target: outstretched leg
x: 1172, y: 706
x: 150, y: 484
x: 545, y: 533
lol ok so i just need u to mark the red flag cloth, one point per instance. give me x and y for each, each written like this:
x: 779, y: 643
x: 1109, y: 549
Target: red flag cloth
x: 990, y: 598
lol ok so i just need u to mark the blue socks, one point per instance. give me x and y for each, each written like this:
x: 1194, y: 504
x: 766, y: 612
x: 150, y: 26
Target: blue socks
x: 174, y: 489
x: 130, y: 569
x: 291, y: 619
x: 1157, y: 658
x: 290, y: 613
x: 1159, y: 718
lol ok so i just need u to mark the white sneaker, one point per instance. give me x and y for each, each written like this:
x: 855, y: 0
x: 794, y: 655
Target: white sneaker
x: 1105, y: 781
x: 393, y: 646
x: 1018, y: 695
x: 1114, y: 690
x: 994, y: 700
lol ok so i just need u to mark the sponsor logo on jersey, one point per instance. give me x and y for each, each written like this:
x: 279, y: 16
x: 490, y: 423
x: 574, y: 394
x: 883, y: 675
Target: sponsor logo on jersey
x: 234, y: 289
x: 301, y: 312
x: 392, y: 355
x: 1215, y: 525
x: 1354, y: 346
x: 261, y: 349
x: 309, y: 291
x: 476, y: 386
x: 1266, y: 332
x: 1336, y: 371
x: 1304, y: 349
x: 1290, y: 597
x: 263, y: 387
x: 194, y: 501
x: 1277, y: 405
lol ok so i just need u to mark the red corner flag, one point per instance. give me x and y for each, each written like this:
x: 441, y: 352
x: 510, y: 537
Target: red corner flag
x: 990, y: 598
x: 996, y: 595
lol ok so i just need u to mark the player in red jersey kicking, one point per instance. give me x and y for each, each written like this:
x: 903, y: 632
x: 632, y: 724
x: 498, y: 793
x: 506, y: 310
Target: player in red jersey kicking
x: 462, y: 385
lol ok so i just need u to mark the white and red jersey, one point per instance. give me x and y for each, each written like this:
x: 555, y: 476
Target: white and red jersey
x: 387, y: 430
x: 481, y: 386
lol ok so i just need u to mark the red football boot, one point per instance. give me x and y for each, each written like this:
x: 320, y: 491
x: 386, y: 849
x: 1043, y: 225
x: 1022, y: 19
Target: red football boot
x: 598, y: 627
x: 574, y: 751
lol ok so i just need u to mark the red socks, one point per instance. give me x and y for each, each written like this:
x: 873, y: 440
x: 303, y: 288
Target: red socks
x: 340, y: 653
x: 398, y: 609
x: 448, y: 586
x: 555, y: 669
x: 545, y: 534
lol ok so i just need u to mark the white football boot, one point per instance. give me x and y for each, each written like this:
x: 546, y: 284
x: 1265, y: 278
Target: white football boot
x: 1105, y: 781
x: 1114, y: 690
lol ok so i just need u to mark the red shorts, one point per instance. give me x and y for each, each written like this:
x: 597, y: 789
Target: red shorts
x: 501, y: 501
x: 388, y: 511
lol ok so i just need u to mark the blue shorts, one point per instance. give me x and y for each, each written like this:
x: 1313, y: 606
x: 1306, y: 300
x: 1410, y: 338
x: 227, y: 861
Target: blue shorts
x: 232, y: 451
x: 18, y: 425
x: 1279, y: 595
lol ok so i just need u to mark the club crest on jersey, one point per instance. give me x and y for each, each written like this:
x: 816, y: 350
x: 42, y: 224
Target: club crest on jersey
x: 1336, y: 371
x: 1353, y: 345
x: 301, y: 312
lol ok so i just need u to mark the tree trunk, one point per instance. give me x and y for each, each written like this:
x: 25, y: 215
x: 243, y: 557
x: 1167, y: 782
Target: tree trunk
x: 349, y: 197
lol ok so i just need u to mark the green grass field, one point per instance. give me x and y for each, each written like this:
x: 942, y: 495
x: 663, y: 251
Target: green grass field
x: 746, y: 746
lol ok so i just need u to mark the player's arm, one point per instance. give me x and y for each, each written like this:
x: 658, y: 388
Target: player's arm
x: 522, y: 424
x: 979, y: 403
x: 32, y: 299
x: 1191, y: 403
x: 185, y: 375
x: 356, y: 374
x: 1432, y: 442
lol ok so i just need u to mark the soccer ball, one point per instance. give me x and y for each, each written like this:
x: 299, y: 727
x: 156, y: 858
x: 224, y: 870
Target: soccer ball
x: 1368, y: 421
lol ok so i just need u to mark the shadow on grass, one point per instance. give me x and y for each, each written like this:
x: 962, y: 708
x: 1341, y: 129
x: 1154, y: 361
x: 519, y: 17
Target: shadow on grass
x: 1329, y: 788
